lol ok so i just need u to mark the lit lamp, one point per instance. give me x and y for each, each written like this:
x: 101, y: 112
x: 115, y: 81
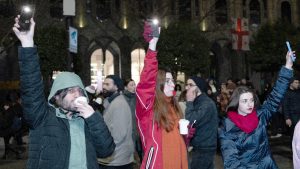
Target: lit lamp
x: 203, y: 25
x: 81, y: 21
x: 124, y: 22
x: 80, y: 17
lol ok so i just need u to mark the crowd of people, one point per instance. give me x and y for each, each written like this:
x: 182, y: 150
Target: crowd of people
x: 129, y: 123
x: 12, y: 125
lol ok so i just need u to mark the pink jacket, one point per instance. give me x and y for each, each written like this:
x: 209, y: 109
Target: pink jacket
x: 296, y: 147
x: 150, y: 133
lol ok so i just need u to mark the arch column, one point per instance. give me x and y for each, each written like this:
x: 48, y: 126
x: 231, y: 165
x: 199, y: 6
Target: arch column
x: 270, y: 12
x: 295, y: 12
x: 125, y: 57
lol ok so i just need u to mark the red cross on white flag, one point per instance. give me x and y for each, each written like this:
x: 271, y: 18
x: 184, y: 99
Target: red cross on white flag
x: 240, y: 34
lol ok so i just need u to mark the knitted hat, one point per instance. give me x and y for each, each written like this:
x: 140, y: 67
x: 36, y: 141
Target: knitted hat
x: 200, y: 82
x: 118, y: 81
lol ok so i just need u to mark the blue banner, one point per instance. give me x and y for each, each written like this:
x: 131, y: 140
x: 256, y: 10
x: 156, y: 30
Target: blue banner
x: 73, y: 39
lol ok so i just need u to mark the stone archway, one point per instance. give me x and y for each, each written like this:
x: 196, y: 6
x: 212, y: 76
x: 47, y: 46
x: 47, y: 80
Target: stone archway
x: 108, y: 51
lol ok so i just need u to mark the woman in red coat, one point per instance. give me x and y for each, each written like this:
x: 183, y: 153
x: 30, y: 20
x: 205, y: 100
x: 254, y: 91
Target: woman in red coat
x: 158, y: 113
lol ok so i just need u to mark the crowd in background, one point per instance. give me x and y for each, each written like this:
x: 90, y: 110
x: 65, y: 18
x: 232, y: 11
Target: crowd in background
x: 125, y: 125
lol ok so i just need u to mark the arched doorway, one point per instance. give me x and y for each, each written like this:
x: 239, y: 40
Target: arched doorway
x: 101, y: 65
x: 286, y: 12
x: 137, y: 63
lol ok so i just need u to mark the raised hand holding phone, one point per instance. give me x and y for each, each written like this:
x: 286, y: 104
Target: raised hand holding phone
x: 151, y: 33
x: 293, y: 57
x: 25, y: 16
x: 154, y: 23
x: 26, y: 37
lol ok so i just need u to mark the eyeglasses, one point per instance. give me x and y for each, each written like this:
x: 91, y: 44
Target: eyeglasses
x: 190, y: 84
x: 169, y: 81
x: 62, y: 93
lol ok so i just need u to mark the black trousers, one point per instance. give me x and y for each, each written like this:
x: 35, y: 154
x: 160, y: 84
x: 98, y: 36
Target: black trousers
x: 202, y: 159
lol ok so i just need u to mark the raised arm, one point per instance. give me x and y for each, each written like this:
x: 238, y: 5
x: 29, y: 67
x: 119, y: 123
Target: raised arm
x: 273, y: 100
x: 145, y: 90
x: 32, y: 89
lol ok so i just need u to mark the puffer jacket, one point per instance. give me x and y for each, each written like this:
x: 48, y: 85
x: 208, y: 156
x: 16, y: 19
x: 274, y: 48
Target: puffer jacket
x: 49, y: 146
x: 241, y: 150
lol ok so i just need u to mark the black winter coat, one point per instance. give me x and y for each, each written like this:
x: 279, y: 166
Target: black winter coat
x: 49, y: 146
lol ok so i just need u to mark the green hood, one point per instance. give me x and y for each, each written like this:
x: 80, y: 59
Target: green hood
x: 65, y: 80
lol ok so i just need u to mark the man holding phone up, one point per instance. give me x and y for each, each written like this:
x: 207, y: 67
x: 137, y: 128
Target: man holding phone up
x: 201, y: 108
x: 63, y: 134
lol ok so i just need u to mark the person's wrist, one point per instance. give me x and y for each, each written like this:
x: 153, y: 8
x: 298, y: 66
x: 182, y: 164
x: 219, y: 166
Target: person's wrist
x: 288, y: 66
x: 152, y: 44
x: 27, y: 43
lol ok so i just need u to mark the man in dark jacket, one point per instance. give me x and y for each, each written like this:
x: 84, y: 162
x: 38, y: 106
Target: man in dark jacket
x: 203, y: 110
x: 64, y: 134
x: 291, y: 106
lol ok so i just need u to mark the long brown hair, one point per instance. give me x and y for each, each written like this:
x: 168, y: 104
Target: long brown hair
x: 161, y: 108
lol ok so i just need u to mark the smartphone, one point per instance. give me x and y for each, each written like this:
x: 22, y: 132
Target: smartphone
x: 290, y: 50
x: 27, y: 13
x: 154, y: 27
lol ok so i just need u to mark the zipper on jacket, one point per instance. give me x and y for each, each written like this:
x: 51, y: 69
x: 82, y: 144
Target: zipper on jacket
x: 149, y: 158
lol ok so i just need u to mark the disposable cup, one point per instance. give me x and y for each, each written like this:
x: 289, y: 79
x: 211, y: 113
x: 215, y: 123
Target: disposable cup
x: 183, y: 129
x: 82, y: 99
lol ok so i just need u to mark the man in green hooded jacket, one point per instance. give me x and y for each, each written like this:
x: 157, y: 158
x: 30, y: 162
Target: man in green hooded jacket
x: 64, y: 133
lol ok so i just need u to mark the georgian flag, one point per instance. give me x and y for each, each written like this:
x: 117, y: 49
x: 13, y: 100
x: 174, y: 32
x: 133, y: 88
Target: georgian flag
x: 240, y: 34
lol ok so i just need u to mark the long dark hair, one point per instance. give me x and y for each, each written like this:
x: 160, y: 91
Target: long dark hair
x: 161, y: 110
x: 235, y: 97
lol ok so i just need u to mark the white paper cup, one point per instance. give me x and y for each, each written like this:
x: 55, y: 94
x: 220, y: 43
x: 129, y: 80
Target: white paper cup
x: 183, y: 129
x: 81, y: 99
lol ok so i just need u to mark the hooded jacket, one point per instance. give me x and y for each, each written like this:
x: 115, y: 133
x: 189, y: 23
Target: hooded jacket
x: 241, y: 150
x: 50, y: 141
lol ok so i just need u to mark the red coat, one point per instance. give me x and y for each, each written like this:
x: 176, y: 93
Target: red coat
x: 150, y: 133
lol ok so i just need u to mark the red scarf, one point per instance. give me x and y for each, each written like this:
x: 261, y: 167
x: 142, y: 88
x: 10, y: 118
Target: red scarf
x: 246, y: 123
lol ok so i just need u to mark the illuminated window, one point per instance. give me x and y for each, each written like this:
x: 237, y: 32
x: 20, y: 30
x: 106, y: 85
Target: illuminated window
x: 180, y: 77
x: 137, y: 63
x: 98, y: 69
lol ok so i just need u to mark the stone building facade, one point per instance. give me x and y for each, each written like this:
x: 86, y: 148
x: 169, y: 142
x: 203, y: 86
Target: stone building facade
x: 110, y: 30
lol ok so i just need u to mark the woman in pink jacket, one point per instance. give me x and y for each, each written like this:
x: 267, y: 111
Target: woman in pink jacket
x: 158, y: 113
